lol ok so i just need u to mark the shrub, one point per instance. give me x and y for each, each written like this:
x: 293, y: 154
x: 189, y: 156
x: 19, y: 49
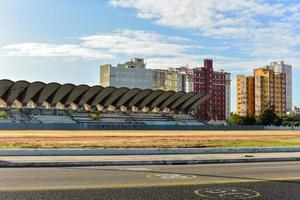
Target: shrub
x: 3, y: 115
x: 95, y: 117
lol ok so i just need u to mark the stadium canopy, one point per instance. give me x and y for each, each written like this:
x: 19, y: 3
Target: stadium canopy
x: 66, y: 94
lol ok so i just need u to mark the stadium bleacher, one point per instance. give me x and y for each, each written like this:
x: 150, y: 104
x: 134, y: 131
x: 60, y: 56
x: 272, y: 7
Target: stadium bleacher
x: 48, y: 119
x: 45, y: 116
x: 37, y: 105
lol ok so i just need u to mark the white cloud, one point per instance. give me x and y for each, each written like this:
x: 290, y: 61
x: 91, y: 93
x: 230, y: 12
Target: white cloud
x: 106, y: 46
x: 54, y: 50
x: 213, y: 17
x: 159, y: 51
x: 137, y: 43
x: 266, y: 28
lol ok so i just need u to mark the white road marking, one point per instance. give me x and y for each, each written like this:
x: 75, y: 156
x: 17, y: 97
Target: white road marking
x: 170, y: 176
x: 136, y: 169
x: 227, y: 193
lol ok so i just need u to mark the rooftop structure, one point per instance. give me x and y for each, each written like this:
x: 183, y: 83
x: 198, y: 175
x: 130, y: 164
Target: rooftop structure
x: 136, y: 63
x: 22, y: 94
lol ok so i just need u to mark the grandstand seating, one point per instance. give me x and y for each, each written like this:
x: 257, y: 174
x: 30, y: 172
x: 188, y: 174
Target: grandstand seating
x: 187, y: 120
x: 48, y: 119
x: 45, y: 116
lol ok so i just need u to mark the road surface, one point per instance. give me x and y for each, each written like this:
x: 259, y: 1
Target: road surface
x: 222, y: 181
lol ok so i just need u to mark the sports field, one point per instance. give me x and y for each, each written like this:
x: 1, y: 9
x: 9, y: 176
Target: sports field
x: 140, y: 139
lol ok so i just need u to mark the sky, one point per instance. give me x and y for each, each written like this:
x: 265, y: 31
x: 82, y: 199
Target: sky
x: 66, y: 41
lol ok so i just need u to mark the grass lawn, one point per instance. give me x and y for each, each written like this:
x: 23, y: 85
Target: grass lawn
x: 140, y: 139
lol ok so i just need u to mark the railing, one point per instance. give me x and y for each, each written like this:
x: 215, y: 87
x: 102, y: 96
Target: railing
x: 115, y: 126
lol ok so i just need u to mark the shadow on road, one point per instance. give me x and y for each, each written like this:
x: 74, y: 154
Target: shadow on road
x: 194, y: 174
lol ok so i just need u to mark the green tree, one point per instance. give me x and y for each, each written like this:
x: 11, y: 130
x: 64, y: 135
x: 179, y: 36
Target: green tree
x: 234, y: 119
x: 249, y: 120
x: 293, y: 120
x: 269, y: 117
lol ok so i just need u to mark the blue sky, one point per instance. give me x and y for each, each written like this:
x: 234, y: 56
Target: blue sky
x: 66, y: 41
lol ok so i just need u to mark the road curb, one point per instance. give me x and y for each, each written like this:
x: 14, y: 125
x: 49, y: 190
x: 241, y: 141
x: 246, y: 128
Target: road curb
x: 5, y: 164
x: 142, y: 151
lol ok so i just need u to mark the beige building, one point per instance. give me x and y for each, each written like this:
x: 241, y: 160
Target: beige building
x: 168, y: 80
x: 261, y: 91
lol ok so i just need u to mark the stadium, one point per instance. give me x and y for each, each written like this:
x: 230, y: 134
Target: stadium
x: 39, y: 105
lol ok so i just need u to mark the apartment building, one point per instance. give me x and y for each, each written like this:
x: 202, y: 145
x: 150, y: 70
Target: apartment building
x: 208, y: 81
x: 261, y: 91
x: 281, y: 67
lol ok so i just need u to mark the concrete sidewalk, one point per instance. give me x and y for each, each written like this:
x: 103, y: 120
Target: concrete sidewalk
x: 76, y: 161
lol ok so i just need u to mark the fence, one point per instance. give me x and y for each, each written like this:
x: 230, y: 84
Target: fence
x: 90, y: 126
x: 282, y: 128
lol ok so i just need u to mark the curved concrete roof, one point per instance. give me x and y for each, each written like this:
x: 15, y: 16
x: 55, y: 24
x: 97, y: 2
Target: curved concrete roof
x: 90, y: 94
x: 62, y: 93
x: 129, y: 95
x: 191, y: 101
x: 76, y: 93
x: 15, y: 92
x: 139, y: 97
x: 151, y: 98
x: 39, y: 92
x: 162, y: 98
x: 182, y: 100
x: 200, y: 101
x: 4, y: 86
x: 114, y: 96
x: 103, y: 95
x: 32, y: 92
x: 172, y: 99
x: 47, y: 93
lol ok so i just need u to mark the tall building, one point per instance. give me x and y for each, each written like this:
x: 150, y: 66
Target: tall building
x: 245, y: 95
x: 228, y: 95
x: 132, y: 74
x: 261, y: 91
x: 168, y: 80
x: 208, y: 81
x: 187, y: 78
x: 189, y: 81
x: 281, y: 67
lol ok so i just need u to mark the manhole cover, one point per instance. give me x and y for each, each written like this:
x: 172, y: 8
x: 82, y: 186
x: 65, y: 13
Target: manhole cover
x: 227, y: 193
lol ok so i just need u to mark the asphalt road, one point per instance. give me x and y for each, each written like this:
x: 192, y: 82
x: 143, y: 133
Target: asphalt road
x: 222, y: 181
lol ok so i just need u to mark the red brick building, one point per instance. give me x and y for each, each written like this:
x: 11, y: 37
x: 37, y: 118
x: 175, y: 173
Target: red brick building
x: 206, y: 80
